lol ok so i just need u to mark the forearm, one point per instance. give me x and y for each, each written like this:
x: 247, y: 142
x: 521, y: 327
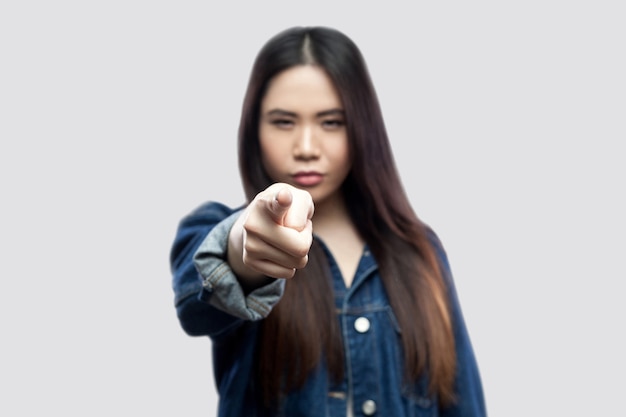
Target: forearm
x: 222, y: 287
x: 196, y: 316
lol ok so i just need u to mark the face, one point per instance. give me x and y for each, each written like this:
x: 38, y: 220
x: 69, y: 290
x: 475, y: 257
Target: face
x: 302, y: 133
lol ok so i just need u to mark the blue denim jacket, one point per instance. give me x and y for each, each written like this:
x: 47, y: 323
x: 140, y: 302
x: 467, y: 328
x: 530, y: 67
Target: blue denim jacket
x: 209, y: 301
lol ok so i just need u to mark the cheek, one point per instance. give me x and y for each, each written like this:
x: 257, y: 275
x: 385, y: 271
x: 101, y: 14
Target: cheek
x: 340, y: 153
x: 271, y: 158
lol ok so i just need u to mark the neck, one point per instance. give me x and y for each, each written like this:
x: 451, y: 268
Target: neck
x: 331, y: 211
x: 333, y: 224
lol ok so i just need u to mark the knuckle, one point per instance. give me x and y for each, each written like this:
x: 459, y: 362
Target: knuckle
x: 304, y: 247
x: 302, y: 262
x: 301, y: 251
x: 251, y: 227
x: 251, y: 252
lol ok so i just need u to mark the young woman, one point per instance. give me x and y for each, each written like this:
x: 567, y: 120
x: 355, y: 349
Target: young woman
x: 324, y: 295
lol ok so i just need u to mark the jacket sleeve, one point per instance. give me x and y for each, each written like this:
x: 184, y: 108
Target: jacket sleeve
x: 468, y: 385
x: 207, y: 295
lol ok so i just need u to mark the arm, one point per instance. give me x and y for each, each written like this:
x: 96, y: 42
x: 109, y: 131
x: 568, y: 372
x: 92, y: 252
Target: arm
x: 197, y: 317
x: 222, y: 259
x: 204, y: 304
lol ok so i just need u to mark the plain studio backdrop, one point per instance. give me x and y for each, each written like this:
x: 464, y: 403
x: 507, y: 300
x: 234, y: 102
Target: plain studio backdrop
x: 118, y: 118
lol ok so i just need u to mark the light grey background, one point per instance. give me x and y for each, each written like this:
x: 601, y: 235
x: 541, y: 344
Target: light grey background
x: 118, y: 118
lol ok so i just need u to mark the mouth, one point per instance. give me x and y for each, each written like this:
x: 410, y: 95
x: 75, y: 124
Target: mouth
x: 307, y: 178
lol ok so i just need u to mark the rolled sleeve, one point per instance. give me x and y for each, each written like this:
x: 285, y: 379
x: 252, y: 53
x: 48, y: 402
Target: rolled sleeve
x: 220, y: 286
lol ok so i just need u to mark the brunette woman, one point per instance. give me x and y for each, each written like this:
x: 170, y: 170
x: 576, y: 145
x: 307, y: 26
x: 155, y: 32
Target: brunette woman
x: 324, y: 294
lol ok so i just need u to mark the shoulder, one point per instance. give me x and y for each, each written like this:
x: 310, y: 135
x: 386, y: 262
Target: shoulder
x: 437, y: 245
x: 199, y: 222
x: 195, y: 226
x: 208, y: 212
x: 434, y: 240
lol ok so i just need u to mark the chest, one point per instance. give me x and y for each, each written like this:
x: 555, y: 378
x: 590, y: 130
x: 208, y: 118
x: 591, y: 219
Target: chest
x: 373, y: 382
x: 346, y: 249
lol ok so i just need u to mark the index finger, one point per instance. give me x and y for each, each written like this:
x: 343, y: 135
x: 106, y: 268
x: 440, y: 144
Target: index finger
x: 279, y: 205
x: 300, y: 212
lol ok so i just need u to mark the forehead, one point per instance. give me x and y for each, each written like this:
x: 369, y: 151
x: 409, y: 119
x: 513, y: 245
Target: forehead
x: 303, y: 87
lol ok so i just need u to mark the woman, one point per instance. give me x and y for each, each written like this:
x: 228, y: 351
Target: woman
x: 325, y: 295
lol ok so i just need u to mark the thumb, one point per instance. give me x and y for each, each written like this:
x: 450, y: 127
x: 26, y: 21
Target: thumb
x: 279, y: 205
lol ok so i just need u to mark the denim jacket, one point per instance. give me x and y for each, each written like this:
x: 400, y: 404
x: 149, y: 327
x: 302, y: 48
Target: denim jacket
x: 210, y: 302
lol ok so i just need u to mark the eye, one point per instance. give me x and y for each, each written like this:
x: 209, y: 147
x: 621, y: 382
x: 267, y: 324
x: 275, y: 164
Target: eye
x: 282, y: 123
x: 333, y: 124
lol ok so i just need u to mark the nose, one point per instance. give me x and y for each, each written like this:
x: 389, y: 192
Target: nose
x: 306, y: 146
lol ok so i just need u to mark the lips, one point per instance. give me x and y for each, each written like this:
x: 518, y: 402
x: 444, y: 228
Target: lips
x: 308, y: 178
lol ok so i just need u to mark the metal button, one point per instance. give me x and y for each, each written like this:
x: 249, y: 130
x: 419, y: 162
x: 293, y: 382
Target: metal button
x: 362, y: 324
x: 369, y: 408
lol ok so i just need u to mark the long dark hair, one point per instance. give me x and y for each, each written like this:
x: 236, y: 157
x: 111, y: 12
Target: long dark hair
x: 304, y: 321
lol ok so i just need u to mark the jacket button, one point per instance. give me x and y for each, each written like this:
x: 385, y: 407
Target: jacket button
x: 362, y: 324
x: 368, y: 408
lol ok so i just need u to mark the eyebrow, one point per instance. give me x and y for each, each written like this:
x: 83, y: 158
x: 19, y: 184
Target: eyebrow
x: 281, y: 112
